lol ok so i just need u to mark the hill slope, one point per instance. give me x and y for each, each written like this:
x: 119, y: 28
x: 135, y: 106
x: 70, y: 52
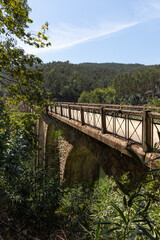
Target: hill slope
x: 67, y: 81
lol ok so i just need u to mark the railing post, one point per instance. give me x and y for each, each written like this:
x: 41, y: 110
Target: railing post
x: 114, y: 123
x: 61, y: 113
x: 103, y: 121
x: 94, y: 120
x: 127, y: 127
x: 69, y: 111
x: 82, y: 115
x: 147, y: 131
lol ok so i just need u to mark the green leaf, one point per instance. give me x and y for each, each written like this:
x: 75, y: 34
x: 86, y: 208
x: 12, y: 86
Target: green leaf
x: 103, y: 223
x: 145, y: 233
x: 97, y: 231
x: 85, y: 229
x: 147, y: 206
x: 125, y: 201
x: 119, y: 211
x: 111, y: 230
x: 133, y: 197
x: 145, y: 220
x: 108, y: 223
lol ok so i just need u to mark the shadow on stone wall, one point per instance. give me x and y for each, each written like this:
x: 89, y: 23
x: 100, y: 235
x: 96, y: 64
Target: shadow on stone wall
x: 81, y: 167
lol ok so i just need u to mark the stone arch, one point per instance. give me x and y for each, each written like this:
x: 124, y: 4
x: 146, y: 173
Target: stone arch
x: 41, y: 141
x: 81, y: 167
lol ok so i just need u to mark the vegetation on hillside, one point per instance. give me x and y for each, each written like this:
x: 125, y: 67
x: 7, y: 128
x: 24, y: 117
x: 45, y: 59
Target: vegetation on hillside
x: 104, y: 95
x: 139, y: 82
x: 133, y: 83
x: 67, y: 81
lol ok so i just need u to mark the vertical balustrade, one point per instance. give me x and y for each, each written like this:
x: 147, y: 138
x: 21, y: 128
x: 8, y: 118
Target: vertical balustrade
x: 127, y: 126
x: 103, y: 121
x: 69, y: 111
x: 147, y: 131
x: 87, y: 112
x: 114, y: 123
x: 94, y: 120
x: 61, y: 113
x: 82, y: 115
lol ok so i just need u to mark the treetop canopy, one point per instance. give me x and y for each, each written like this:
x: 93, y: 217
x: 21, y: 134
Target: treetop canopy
x: 16, y: 67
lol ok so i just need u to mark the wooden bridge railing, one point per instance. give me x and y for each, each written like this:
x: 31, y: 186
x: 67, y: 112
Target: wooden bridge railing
x: 139, y: 124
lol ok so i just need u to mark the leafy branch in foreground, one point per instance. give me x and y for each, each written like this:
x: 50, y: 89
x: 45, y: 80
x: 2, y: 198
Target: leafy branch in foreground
x: 28, y: 198
x: 19, y: 72
x: 133, y: 218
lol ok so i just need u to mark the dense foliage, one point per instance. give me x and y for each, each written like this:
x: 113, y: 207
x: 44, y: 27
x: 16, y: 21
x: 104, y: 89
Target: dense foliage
x: 16, y: 73
x: 131, y: 83
x: 34, y: 205
x: 112, y: 211
x: 67, y: 81
x: 104, y: 95
x: 28, y: 198
x: 139, y: 82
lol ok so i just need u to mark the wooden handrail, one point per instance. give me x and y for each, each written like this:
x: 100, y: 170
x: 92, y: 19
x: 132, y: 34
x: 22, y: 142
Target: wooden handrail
x: 110, y: 105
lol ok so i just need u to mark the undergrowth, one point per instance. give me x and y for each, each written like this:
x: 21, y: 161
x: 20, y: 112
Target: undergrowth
x: 33, y: 205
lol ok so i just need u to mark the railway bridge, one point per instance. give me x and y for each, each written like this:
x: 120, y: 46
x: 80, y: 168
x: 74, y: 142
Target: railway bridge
x: 95, y: 139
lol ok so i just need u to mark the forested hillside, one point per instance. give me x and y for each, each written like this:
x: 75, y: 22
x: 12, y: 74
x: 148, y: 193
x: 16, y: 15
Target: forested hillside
x: 67, y: 81
x: 139, y: 82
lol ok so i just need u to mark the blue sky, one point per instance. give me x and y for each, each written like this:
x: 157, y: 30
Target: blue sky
x: 123, y: 31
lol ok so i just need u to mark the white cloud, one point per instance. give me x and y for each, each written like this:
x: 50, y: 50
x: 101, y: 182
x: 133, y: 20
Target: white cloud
x: 147, y: 10
x: 64, y: 36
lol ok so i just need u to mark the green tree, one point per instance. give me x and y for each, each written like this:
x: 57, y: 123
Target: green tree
x: 98, y: 95
x: 19, y: 71
x: 139, y: 82
x: 84, y: 97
